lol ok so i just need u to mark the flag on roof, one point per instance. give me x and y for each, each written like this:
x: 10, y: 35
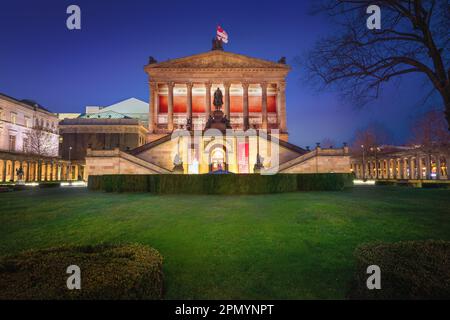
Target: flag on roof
x: 222, y: 35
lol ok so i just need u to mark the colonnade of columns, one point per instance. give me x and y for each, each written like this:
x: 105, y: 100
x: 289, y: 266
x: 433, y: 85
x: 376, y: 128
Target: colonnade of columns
x: 422, y: 167
x: 37, y: 170
x: 281, y: 103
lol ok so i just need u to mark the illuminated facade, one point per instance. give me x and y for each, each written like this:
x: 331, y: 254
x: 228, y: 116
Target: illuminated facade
x: 188, y: 133
x: 403, y: 163
x: 28, y: 142
x: 182, y: 89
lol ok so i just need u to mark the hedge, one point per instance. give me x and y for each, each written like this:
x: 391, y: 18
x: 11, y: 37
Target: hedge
x: 107, y: 272
x: 220, y: 184
x: 409, y: 270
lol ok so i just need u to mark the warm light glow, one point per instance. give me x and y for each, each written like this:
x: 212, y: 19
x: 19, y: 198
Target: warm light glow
x: 74, y: 184
x: 364, y: 183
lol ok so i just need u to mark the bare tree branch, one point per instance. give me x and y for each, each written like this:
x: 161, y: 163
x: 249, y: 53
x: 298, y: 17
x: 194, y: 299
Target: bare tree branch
x: 358, y: 62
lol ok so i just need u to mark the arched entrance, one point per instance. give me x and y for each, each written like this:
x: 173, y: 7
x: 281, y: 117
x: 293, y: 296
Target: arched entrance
x: 218, y: 158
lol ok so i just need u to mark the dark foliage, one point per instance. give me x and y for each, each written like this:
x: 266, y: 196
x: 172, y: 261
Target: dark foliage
x: 220, y: 184
x: 107, y: 272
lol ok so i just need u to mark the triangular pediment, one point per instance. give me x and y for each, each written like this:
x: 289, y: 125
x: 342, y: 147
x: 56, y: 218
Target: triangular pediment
x: 217, y: 59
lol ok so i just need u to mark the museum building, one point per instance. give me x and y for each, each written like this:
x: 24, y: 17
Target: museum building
x: 216, y: 112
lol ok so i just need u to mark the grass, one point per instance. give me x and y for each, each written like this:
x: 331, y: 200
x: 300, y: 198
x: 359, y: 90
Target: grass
x: 281, y: 246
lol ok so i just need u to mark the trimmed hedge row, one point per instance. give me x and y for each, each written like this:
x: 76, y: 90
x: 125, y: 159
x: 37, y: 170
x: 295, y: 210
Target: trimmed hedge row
x: 107, y: 272
x: 415, y: 183
x: 409, y: 270
x: 220, y: 184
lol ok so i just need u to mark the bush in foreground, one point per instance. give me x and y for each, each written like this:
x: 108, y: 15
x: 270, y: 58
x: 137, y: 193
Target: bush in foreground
x: 107, y: 272
x: 220, y: 184
x: 409, y: 270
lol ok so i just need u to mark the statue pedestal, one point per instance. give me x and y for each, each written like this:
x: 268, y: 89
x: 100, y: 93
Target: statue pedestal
x: 218, y: 121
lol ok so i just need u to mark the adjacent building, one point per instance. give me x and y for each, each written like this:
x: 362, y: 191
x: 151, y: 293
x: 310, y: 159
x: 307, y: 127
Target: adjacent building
x: 28, y: 142
x: 402, y: 163
x: 122, y: 125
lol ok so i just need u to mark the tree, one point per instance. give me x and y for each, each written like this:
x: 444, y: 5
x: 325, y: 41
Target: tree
x: 429, y: 131
x: 372, y: 136
x: 357, y: 61
x: 41, y: 143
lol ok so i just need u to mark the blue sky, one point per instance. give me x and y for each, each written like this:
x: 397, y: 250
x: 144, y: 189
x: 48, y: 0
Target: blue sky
x: 102, y: 63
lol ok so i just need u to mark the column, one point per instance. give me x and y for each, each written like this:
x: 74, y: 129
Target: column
x: 58, y: 168
x: 245, y: 106
x: 367, y: 170
x: 264, y: 105
x: 416, y: 167
x: 388, y: 168
x: 13, y: 170
x: 170, y: 106
x: 402, y: 168
x: 207, y: 100
x: 151, y: 107
x: 189, y: 86
x: 447, y: 166
x: 412, y: 168
x: 51, y: 171
x: 281, y: 106
x: 427, y: 167
x: 5, y: 162
x: 438, y: 166
x: 395, y: 169
x: 27, y: 173
x: 156, y: 111
x: 227, y: 99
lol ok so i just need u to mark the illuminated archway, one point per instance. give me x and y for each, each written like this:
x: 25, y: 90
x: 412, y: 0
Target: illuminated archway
x: 218, y: 158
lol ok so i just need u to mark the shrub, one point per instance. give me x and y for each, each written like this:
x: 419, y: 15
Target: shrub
x: 324, y: 181
x: 49, y: 184
x: 385, y: 183
x: 409, y: 270
x: 107, y: 272
x: 437, y: 184
x: 220, y: 184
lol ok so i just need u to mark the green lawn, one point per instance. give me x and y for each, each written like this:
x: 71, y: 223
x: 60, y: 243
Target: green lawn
x: 281, y: 246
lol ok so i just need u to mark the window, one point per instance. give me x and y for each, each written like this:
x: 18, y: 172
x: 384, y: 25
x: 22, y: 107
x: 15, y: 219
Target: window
x: 13, y: 118
x: 12, y: 143
x: 27, y: 122
x: 25, y: 145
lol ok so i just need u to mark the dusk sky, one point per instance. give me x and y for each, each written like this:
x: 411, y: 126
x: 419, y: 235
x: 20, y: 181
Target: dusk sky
x: 40, y: 59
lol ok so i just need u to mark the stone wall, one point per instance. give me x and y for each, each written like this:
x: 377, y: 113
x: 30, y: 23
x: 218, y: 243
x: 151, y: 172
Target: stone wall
x: 101, y: 162
x: 322, y: 164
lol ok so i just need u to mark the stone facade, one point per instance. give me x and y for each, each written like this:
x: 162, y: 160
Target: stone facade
x: 77, y: 135
x: 181, y: 91
x: 253, y: 137
x: 319, y: 161
x: 117, y: 162
x: 402, y: 163
x: 29, y: 142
